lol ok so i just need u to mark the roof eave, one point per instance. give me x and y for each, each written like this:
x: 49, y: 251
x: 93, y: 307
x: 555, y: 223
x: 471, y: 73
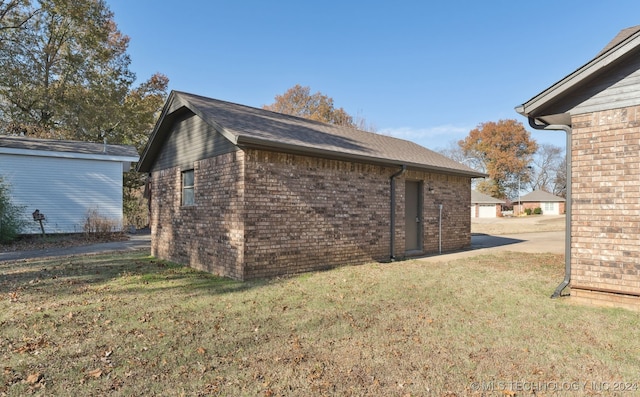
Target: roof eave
x: 246, y: 142
x: 531, y: 107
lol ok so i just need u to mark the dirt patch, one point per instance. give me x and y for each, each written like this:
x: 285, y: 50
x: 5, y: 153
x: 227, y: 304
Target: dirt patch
x: 517, y: 225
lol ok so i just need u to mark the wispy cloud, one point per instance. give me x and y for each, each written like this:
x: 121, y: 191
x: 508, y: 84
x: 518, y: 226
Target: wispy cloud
x: 437, y: 137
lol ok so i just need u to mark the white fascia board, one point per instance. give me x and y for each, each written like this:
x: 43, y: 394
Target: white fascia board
x: 70, y: 155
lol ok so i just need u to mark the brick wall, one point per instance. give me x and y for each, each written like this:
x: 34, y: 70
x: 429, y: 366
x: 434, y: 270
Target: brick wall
x: 208, y: 235
x: 260, y: 214
x: 606, y: 203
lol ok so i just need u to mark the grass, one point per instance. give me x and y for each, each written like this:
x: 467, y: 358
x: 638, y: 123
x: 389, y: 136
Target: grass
x: 127, y: 324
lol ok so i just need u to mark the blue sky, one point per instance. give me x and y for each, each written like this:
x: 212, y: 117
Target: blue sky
x: 426, y: 71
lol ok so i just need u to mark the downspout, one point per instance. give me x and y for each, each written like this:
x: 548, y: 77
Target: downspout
x: 567, y: 245
x: 393, y: 213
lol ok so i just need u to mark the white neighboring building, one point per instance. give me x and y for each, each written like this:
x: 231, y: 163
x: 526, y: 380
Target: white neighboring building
x: 485, y: 206
x: 65, y: 180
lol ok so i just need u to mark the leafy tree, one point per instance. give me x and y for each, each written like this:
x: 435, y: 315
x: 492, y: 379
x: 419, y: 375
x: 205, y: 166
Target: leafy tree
x: 64, y: 73
x: 298, y: 101
x: 11, y: 215
x: 141, y: 108
x: 506, y: 149
x: 14, y: 14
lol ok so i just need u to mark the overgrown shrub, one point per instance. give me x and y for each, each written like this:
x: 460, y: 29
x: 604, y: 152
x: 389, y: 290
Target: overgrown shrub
x: 537, y: 211
x: 12, y: 220
x: 527, y: 211
x: 97, y: 225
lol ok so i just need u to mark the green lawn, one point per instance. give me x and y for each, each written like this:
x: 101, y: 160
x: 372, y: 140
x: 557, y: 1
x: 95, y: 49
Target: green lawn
x: 131, y: 325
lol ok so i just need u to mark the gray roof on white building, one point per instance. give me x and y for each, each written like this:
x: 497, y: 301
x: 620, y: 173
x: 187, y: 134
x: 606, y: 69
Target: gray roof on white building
x: 16, y: 143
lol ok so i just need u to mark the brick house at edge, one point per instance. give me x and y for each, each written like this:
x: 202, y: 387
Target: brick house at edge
x: 598, y: 106
x: 247, y: 193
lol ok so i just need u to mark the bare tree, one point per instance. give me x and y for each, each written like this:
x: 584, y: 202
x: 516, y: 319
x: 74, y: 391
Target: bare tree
x: 548, y: 163
x: 560, y: 181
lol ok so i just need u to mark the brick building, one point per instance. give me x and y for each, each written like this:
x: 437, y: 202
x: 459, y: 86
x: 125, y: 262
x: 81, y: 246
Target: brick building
x: 246, y: 193
x: 548, y: 203
x: 485, y: 206
x: 598, y: 106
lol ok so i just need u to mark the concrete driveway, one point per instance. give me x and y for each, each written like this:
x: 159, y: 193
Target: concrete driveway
x: 135, y: 242
x: 527, y: 234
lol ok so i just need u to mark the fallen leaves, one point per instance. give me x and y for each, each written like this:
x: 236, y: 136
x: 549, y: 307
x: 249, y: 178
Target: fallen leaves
x: 96, y: 373
x: 34, y: 378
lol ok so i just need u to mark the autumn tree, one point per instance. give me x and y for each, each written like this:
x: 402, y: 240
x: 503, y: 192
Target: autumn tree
x: 506, y: 149
x: 298, y: 101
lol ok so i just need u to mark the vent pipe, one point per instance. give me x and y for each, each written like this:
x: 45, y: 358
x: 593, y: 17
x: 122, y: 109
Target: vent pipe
x: 392, y: 216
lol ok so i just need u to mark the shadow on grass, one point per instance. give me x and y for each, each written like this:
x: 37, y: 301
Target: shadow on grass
x: 128, y: 271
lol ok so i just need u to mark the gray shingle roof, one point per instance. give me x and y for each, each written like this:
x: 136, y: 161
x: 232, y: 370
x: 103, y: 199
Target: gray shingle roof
x: 53, y: 145
x: 481, y: 198
x: 620, y: 37
x: 540, y: 196
x: 550, y: 106
x: 253, y: 127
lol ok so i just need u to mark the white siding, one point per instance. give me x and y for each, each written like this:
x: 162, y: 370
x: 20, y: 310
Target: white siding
x: 64, y: 189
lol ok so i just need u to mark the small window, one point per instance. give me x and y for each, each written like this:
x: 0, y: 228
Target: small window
x: 188, y: 197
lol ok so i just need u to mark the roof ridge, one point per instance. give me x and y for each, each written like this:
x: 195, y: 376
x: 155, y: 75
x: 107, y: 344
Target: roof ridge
x: 299, y: 118
x: 248, y: 126
x: 622, y: 36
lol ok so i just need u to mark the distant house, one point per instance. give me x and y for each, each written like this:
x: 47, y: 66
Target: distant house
x: 64, y: 180
x: 598, y: 106
x: 485, y: 206
x: 246, y: 193
x: 550, y: 204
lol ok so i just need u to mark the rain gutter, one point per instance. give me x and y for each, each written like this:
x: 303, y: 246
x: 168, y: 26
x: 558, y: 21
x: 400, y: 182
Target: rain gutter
x: 533, y: 122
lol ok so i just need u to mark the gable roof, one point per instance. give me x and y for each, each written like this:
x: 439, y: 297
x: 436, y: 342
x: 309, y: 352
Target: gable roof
x: 551, y: 105
x: 540, y: 196
x: 249, y: 127
x: 68, y: 149
x: 481, y: 198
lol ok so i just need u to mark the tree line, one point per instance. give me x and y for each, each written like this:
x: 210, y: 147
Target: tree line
x: 512, y: 159
x: 65, y: 74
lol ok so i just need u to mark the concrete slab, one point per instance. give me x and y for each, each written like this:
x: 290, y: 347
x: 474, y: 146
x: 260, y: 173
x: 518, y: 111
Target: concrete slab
x: 482, y: 244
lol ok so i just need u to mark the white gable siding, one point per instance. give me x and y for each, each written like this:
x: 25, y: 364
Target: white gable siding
x: 64, y: 189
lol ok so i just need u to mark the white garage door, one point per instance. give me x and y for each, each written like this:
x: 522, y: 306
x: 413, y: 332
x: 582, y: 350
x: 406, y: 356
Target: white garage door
x: 487, y: 211
x: 550, y: 208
